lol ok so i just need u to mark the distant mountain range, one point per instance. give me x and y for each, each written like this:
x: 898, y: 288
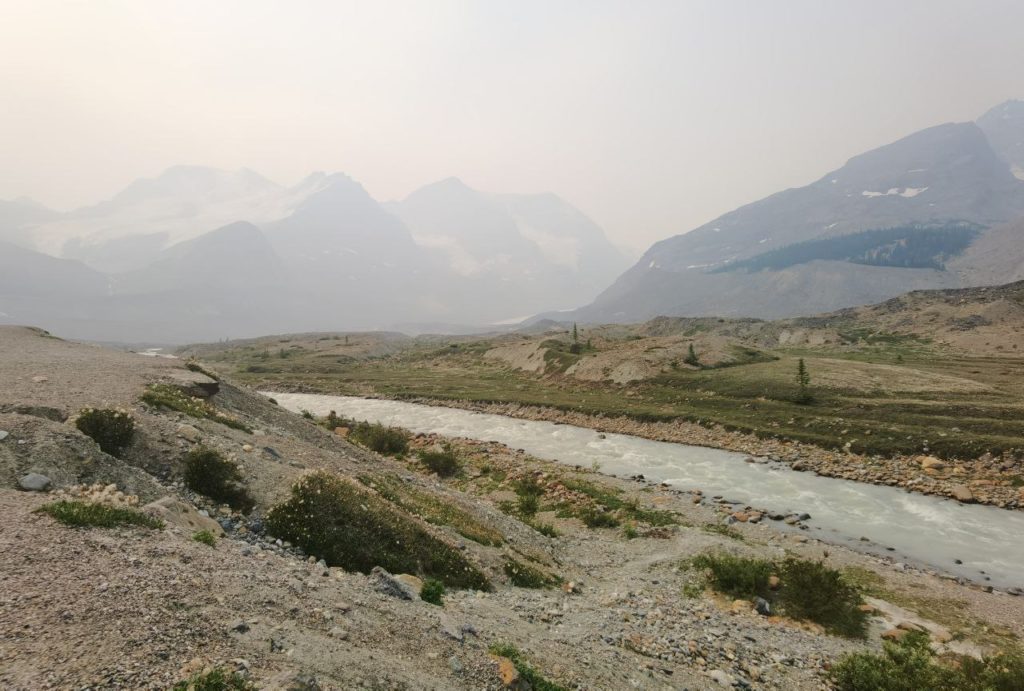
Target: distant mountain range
x: 199, y: 254
x: 937, y: 209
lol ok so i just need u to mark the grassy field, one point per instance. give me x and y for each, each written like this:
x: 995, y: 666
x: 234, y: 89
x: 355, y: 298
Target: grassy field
x: 888, y: 394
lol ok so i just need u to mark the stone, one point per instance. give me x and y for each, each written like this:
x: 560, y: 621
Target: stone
x: 34, y: 482
x: 339, y: 633
x: 384, y: 582
x: 40, y: 379
x: 762, y: 606
x: 193, y: 383
x: 175, y: 512
x: 894, y: 634
x: 508, y: 673
x: 247, y: 447
x: 240, y: 626
x: 414, y: 583
x: 720, y: 678
x: 963, y: 494
x: 931, y: 463
x: 4, y: 434
x: 455, y: 665
x: 189, y: 433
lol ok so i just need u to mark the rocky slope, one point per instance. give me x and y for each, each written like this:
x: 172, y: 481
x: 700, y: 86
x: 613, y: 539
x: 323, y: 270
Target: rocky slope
x: 141, y: 608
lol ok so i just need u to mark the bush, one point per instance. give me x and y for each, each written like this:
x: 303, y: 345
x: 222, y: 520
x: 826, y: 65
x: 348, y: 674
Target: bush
x: 527, y: 505
x: 545, y: 529
x: 205, y: 537
x: 210, y: 474
x: 352, y: 528
x: 433, y: 592
x: 113, y: 430
x: 909, y: 665
x: 596, y: 518
x: 811, y: 590
x: 525, y: 576
x: 377, y: 437
x: 215, y: 680
x: 739, y: 577
x: 88, y: 515
x: 445, y: 462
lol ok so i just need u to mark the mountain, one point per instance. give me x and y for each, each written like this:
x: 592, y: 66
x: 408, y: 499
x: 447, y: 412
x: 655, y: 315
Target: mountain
x: 129, y: 230
x: 1004, y: 127
x: 17, y: 218
x: 891, y: 220
x: 550, y: 253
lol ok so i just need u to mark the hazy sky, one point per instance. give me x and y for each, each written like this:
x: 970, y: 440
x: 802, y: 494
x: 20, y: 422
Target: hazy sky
x: 652, y: 117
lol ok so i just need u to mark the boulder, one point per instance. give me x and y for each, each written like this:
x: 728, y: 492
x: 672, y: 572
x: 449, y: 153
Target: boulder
x: 177, y: 513
x: 189, y: 433
x: 193, y: 383
x: 412, y: 581
x: 963, y: 493
x: 931, y: 463
x: 34, y: 482
x: 384, y: 582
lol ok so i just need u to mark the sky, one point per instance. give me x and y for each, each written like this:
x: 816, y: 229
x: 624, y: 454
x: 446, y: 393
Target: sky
x: 651, y: 116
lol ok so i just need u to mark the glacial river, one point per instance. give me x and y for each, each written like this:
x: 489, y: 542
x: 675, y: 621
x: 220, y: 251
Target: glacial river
x: 914, y: 527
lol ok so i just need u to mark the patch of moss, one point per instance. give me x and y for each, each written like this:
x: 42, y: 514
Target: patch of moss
x: 171, y: 397
x: 82, y: 514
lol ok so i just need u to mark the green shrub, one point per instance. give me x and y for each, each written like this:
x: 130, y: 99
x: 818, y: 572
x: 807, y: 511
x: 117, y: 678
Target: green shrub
x: 596, y: 518
x: 205, y: 537
x: 525, y: 576
x: 630, y: 532
x: 545, y: 529
x: 445, y: 462
x: 811, y: 590
x: 171, y: 397
x: 377, y: 437
x: 215, y: 680
x: 113, y: 430
x: 527, y: 505
x: 210, y: 474
x: 88, y: 515
x: 433, y: 592
x: 350, y: 527
x: 740, y: 577
x: 308, y: 415
x: 534, y: 679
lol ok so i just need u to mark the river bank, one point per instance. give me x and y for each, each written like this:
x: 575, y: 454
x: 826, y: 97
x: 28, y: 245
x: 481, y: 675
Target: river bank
x: 987, y: 480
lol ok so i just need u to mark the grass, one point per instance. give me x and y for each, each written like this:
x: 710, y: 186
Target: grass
x: 82, y: 514
x: 525, y: 576
x: 433, y: 592
x: 112, y: 430
x: 348, y: 526
x: 171, y: 397
x: 434, y: 509
x: 534, y: 679
x: 607, y: 508
x: 205, y: 537
x: 809, y: 590
x: 209, y: 473
x: 910, y: 665
x: 215, y: 680
x: 755, y: 396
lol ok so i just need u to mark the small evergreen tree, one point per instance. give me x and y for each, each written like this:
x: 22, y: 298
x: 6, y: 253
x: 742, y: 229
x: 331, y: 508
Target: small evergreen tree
x: 691, y: 357
x: 803, y: 381
x: 575, y: 333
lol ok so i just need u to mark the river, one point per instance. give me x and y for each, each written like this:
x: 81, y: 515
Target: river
x: 916, y: 528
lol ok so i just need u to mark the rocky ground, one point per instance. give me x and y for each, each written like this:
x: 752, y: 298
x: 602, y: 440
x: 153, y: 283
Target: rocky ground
x: 141, y: 608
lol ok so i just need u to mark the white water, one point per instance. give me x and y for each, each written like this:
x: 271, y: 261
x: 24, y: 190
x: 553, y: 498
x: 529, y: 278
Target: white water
x: 920, y: 528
